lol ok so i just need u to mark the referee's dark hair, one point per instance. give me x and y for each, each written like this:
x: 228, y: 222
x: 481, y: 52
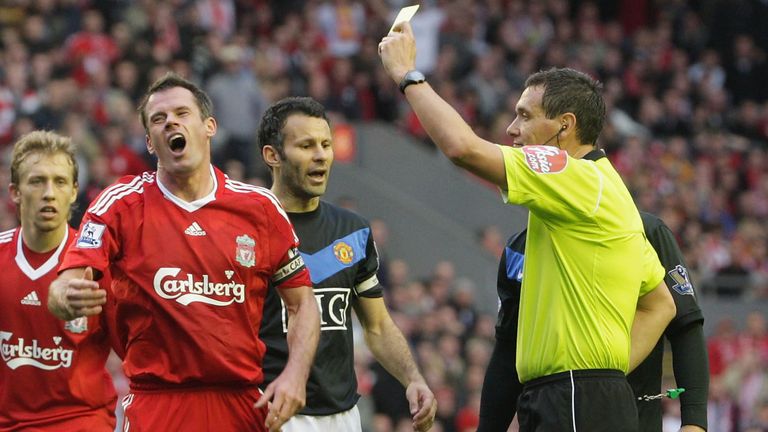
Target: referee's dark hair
x: 272, y: 123
x: 568, y: 90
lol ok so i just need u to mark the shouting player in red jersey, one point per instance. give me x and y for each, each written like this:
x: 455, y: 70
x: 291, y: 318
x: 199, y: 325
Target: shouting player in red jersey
x: 52, y: 375
x: 191, y: 254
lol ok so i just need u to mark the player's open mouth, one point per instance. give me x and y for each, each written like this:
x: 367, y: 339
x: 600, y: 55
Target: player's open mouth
x: 317, y: 175
x: 177, y: 142
x: 48, y: 211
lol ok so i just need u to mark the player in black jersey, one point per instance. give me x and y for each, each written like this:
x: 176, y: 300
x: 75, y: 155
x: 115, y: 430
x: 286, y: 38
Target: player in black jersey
x: 685, y: 334
x: 337, y: 247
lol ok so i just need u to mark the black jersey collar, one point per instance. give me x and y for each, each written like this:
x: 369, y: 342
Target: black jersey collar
x: 594, y: 155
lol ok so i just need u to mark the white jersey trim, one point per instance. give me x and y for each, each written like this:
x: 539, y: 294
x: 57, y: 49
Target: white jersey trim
x: 116, y: 192
x: 573, y: 402
x: 51, y: 264
x: 196, y: 204
x: 126, y: 402
x: 239, y: 187
x: 7, y: 236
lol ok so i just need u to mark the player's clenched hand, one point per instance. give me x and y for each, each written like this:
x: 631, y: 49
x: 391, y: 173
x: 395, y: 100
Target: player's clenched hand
x: 422, y: 404
x: 74, y: 294
x: 288, y: 394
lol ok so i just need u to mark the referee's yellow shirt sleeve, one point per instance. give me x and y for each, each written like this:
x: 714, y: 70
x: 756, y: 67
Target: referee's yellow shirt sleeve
x: 654, y: 270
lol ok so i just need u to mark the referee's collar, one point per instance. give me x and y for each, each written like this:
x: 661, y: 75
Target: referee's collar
x: 594, y: 155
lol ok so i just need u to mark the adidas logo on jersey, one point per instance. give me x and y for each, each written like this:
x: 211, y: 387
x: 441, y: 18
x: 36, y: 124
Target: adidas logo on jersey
x: 31, y: 299
x: 194, y: 230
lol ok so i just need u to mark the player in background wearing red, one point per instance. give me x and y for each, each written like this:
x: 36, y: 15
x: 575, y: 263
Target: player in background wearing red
x: 191, y: 254
x: 52, y: 375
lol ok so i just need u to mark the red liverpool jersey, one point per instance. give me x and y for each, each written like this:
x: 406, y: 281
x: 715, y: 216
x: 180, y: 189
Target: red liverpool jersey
x: 52, y: 371
x: 189, y: 278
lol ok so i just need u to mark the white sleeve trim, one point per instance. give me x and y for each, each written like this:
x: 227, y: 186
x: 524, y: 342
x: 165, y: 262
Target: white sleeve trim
x: 366, y: 284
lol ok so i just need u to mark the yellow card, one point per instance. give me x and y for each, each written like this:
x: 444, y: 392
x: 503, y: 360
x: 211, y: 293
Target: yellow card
x: 404, y: 15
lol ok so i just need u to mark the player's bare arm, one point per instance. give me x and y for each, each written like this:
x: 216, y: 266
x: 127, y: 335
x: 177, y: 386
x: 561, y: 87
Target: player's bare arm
x: 390, y: 348
x: 654, y: 312
x: 74, y: 294
x: 452, y: 135
x: 288, y: 391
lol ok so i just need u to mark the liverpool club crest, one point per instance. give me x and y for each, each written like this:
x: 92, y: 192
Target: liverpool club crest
x: 77, y: 325
x: 245, y: 253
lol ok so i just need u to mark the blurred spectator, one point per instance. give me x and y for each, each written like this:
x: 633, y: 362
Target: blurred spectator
x: 463, y: 302
x: 755, y: 337
x: 491, y: 240
x: 707, y: 74
x: 426, y: 28
x: 217, y: 16
x: 746, y: 70
x: 467, y: 419
x: 238, y: 101
x: 739, y: 384
x: 343, y: 24
x: 388, y: 396
x: 121, y: 159
x: 722, y: 412
x: 759, y: 421
x: 723, y: 347
x: 747, y: 379
x: 91, y: 49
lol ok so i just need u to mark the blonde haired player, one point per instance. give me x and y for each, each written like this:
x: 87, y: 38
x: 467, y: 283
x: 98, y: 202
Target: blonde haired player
x: 52, y: 375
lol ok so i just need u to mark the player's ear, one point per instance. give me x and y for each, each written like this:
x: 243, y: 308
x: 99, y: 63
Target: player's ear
x: 271, y: 156
x: 15, y: 194
x: 150, y: 146
x: 567, y: 124
x: 211, y: 126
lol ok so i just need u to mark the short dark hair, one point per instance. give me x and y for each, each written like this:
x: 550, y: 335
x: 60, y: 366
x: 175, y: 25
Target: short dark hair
x: 169, y: 81
x: 272, y: 123
x: 568, y: 90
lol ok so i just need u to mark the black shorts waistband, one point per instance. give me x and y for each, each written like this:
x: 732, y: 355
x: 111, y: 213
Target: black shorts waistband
x: 581, y: 373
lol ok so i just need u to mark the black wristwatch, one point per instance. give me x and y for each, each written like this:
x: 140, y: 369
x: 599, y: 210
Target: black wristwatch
x: 411, y: 77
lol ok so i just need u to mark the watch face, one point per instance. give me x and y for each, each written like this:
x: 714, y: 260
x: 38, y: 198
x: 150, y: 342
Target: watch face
x: 415, y: 76
x: 412, y: 77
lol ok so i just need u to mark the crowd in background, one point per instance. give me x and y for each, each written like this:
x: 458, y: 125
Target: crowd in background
x: 687, y: 128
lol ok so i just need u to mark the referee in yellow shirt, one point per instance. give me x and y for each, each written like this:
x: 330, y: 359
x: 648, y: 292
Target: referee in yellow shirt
x: 591, y: 277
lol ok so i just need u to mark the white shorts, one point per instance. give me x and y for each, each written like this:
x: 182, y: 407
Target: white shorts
x: 345, y: 421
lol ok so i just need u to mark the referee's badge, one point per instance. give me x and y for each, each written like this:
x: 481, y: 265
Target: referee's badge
x: 343, y: 252
x: 245, y: 253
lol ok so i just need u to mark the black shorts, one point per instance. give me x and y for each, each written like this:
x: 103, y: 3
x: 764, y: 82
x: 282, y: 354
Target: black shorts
x: 593, y: 400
